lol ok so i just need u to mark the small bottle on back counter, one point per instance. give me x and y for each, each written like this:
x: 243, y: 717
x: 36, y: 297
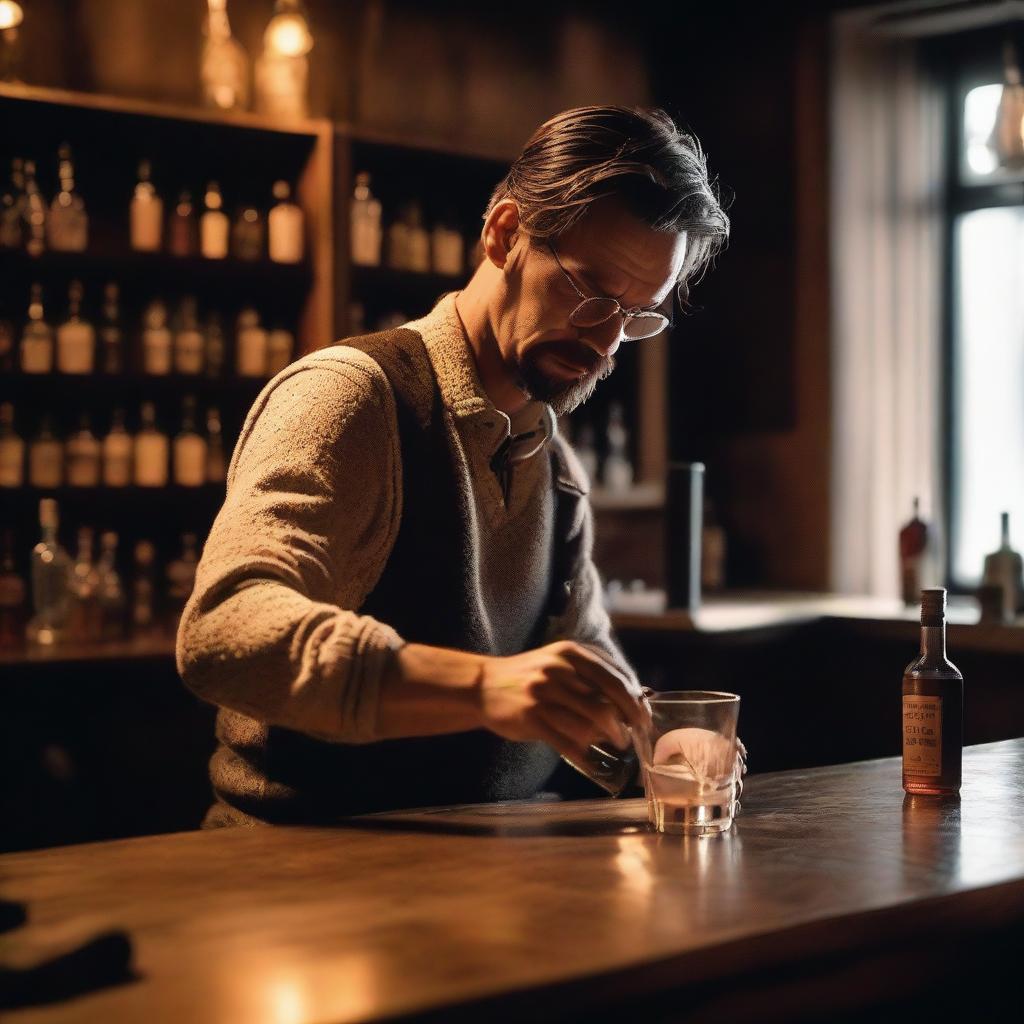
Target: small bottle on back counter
x: 933, y: 708
x: 913, y: 551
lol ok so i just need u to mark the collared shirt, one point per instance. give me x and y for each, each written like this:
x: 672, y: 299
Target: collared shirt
x: 512, y: 485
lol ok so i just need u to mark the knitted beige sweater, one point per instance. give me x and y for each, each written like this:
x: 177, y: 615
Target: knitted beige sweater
x: 272, y: 632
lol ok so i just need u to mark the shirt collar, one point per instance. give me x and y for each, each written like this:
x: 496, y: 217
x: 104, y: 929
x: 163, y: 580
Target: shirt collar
x: 522, y: 435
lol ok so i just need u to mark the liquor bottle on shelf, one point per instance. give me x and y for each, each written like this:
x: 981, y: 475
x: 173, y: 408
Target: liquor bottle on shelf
x: 713, y: 547
x: 417, y: 240
x: 1003, y: 569
x: 188, y: 340
x: 224, y: 64
x: 50, y: 568
x: 76, y: 337
x: 46, y: 457
x: 447, y: 250
x: 83, y: 592
x: 12, y: 449
x: 151, y: 451
x: 12, y: 209
x: 586, y: 452
x: 618, y: 470
x: 356, y: 319
x: 181, y: 578
x: 366, y: 224
x: 247, y: 234
x: 398, y: 242
x: 913, y: 552
x: 215, y: 349
x: 111, y: 334
x: 933, y: 707
x: 84, y: 456
x: 37, y: 338
x: 144, y: 613
x: 251, y: 345
x: 284, y: 227
x: 181, y: 234
x: 67, y: 227
x: 147, y: 213
x: 118, y: 452
x: 189, y: 449
x: 280, y: 344
x: 7, y: 346
x: 216, y: 459
x: 213, y: 225
x: 156, y: 340
x: 35, y: 213
x: 13, y: 598
x: 112, y: 602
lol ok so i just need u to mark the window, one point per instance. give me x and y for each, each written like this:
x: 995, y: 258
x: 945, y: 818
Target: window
x: 985, y: 317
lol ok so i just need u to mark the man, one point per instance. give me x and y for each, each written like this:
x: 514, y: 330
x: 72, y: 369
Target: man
x: 396, y: 605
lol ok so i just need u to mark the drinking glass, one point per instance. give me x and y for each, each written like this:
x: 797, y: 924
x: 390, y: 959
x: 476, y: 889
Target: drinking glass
x: 688, y: 753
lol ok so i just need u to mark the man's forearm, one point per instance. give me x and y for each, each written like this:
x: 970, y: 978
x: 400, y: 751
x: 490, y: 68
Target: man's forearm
x: 426, y: 691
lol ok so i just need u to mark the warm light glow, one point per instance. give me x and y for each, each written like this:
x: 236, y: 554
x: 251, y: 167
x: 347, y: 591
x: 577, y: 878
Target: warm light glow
x: 980, y: 107
x: 11, y: 14
x: 288, y: 34
x: 989, y: 439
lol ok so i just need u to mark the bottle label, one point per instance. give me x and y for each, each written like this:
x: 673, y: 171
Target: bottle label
x: 922, y: 735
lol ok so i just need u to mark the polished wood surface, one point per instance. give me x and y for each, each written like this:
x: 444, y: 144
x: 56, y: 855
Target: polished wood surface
x: 468, y: 912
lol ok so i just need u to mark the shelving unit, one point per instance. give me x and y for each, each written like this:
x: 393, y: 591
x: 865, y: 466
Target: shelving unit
x: 245, y: 153
x: 187, y: 147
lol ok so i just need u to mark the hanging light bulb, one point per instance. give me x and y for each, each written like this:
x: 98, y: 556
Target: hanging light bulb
x: 11, y: 14
x: 282, y: 71
x: 287, y: 33
x: 1008, y: 132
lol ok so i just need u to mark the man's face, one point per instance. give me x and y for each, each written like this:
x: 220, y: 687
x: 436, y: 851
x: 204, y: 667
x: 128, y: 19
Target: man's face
x: 608, y: 253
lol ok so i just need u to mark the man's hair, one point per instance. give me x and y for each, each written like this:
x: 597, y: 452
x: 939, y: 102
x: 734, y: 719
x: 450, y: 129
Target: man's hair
x: 640, y: 157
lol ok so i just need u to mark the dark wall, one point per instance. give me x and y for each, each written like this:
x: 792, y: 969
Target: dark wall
x: 749, y: 376
x: 447, y: 71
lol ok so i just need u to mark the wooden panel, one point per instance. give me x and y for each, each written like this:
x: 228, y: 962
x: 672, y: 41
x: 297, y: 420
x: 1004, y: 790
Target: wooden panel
x: 831, y: 892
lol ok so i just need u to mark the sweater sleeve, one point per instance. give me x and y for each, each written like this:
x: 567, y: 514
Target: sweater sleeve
x: 585, y: 618
x: 310, y: 515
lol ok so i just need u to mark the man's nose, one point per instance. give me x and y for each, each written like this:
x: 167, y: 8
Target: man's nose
x: 605, y: 338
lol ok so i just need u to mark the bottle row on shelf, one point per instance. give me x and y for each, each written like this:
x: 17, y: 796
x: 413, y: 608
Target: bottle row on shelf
x: 149, y: 458
x: 407, y: 243
x: 615, y: 470
x: 28, y: 222
x: 182, y: 345
x: 1000, y: 593
x: 88, y: 600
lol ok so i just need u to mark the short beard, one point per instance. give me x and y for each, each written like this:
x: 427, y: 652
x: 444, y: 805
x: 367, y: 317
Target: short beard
x: 563, y: 397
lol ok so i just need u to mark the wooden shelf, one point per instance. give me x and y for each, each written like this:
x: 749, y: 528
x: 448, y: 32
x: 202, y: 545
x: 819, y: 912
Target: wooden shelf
x: 177, y: 384
x: 165, y: 111
x: 640, y: 497
x: 172, y: 492
x: 155, y: 268
x: 137, y: 648
x: 362, y: 135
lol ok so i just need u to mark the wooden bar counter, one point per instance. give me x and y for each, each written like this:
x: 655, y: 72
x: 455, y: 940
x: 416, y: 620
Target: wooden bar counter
x: 832, y: 895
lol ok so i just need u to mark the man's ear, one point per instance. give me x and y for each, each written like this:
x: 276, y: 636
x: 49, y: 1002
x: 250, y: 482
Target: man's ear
x: 501, y: 232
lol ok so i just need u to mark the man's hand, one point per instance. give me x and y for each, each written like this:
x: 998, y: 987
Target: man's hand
x: 564, y: 694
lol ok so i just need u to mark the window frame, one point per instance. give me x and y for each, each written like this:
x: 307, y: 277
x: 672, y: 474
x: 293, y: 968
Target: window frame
x: 967, y: 66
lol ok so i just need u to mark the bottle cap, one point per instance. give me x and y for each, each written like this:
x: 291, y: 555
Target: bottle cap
x: 933, y: 606
x: 281, y: 190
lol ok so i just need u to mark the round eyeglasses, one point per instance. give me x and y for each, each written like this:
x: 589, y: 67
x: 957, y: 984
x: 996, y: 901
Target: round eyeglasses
x: 637, y: 323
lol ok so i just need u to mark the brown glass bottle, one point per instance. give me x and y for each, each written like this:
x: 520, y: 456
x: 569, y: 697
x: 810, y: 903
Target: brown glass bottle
x: 933, y: 707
